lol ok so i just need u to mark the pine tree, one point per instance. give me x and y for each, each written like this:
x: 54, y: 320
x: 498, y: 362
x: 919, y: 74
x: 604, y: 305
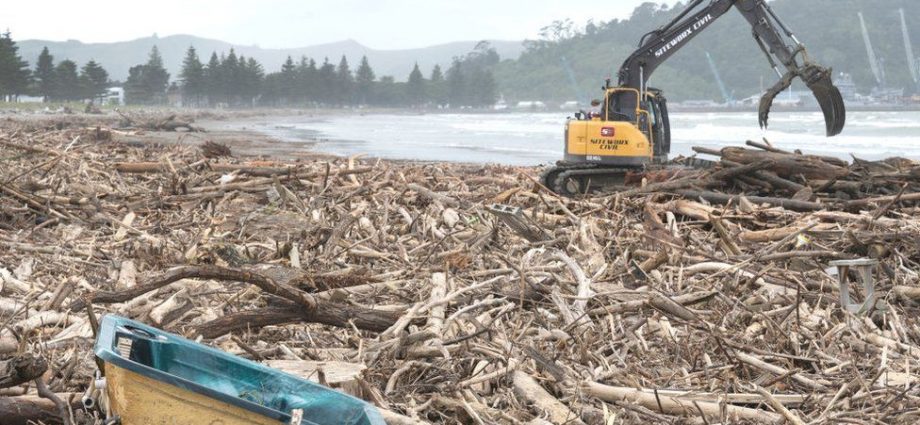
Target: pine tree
x: 325, y: 83
x: 253, y: 74
x: 241, y: 88
x: 437, y: 92
x: 213, y: 74
x: 192, y: 78
x: 483, y: 91
x: 364, y: 81
x: 147, y: 83
x: 389, y: 92
x: 456, y: 85
x: 287, y: 80
x: 344, y: 83
x: 14, y: 72
x: 272, y: 93
x: 94, y: 80
x: 229, y: 77
x: 307, y: 86
x: 44, y: 75
x: 135, y: 89
x: 156, y: 79
x: 415, y: 88
x: 288, y: 67
x: 66, y: 81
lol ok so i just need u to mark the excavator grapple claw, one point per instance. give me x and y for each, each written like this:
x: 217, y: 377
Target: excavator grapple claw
x: 818, y: 79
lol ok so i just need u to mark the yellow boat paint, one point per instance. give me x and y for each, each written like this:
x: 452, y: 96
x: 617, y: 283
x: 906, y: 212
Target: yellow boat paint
x: 139, y: 400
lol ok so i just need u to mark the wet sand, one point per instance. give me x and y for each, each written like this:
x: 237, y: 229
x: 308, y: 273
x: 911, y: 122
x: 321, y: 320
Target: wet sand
x: 239, y: 134
x: 232, y: 128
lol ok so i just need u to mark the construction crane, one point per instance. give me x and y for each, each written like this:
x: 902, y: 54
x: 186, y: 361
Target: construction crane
x: 876, y: 64
x: 633, y: 130
x: 729, y: 99
x: 909, y: 48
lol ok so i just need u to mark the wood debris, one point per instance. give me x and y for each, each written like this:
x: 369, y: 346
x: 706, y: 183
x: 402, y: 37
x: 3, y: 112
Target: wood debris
x: 708, y: 300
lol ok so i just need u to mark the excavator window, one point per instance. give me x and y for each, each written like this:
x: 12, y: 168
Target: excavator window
x: 653, y: 116
x: 611, y: 109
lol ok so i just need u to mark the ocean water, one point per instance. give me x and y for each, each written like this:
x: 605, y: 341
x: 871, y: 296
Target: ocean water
x: 537, y: 138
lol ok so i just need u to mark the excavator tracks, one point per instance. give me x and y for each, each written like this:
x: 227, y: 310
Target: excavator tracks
x: 579, y: 179
x: 570, y: 179
x: 550, y: 174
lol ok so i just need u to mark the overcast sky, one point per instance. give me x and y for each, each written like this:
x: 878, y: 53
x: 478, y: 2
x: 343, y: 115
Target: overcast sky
x: 379, y: 24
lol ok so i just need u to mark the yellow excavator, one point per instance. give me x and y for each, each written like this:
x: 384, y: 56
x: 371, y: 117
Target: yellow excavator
x: 632, y: 131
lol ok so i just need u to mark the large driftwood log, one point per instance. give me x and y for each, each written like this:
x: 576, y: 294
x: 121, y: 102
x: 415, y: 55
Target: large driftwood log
x: 202, y: 272
x: 21, y: 369
x: 809, y: 166
x: 528, y: 389
x: 169, y: 123
x: 768, y: 148
x: 721, y: 198
x: 678, y: 406
x: 778, y: 233
x: 909, y: 197
x: 733, y: 171
x: 770, y: 177
x: 339, y: 315
x: 29, y: 409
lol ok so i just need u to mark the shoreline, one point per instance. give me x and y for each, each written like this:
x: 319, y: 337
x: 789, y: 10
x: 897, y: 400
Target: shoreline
x: 288, y: 135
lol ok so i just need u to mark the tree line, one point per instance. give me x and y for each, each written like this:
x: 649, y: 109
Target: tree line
x: 236, y: 81
x: 231, y: 80
x: 65, y: 81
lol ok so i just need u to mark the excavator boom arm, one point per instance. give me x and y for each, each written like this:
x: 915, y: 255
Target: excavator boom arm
x: 779, y: 44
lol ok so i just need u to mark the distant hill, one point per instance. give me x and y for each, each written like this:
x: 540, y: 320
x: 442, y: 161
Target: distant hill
x: 119, y: 56
x: 829, y: 28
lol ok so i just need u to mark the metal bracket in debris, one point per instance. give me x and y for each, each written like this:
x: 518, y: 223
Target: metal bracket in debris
x: 865, y: 267
x: 515, y: 218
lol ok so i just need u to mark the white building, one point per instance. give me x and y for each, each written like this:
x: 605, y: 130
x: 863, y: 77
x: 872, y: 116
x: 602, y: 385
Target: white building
x: 30, y: 99
x: 530, y: 106
x: 114, y: 96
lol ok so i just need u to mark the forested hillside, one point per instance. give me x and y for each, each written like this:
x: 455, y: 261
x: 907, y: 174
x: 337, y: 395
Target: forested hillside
x: 829, y: 28
x: 120, y: 56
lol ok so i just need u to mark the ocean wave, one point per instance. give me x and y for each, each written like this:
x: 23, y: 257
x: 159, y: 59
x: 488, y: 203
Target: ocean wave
x: 533, y: 138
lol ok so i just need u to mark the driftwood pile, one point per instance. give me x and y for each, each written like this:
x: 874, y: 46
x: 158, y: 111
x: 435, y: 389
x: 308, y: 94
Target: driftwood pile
x: 404, y: 285
x: 156, y: 122
x: 770, y: 176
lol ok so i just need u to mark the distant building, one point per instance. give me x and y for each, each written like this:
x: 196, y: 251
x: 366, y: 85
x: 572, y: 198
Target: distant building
x: 174, y: 95
x: 886, y: 95
x: 530, y: 105
x: 787, y: 99
x: 29, y: 99
x: 501, y: 105
x: 114, y: 96
x: 571, y: 105
x: 847, y: 87
x: 790, y: 99
x: 700, y: 104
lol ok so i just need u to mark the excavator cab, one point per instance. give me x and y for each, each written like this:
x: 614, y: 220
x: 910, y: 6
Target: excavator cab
x: 622, y: 137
